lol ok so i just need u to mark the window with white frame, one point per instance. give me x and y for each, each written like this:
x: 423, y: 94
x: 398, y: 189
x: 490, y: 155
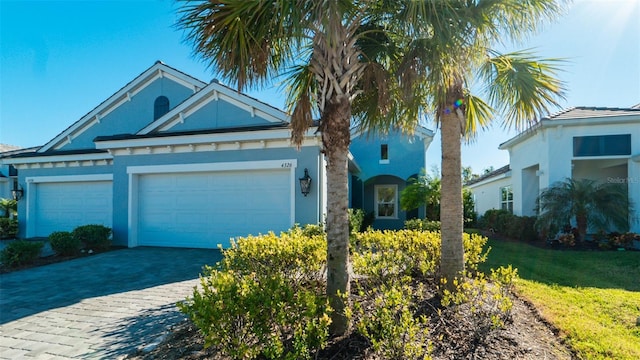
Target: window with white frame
x: 506, y: 198
x: 386, y: 201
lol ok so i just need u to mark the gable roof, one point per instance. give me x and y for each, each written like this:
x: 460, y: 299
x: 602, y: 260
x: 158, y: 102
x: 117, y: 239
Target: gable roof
x: 7, y: 148
x: 156, y: 71
x: 584, y: 112
x: 212, y: 92
x: 576, y: 116
x: 495, y: 173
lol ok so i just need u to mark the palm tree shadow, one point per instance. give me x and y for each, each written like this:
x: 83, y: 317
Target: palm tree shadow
x: 138, y: 333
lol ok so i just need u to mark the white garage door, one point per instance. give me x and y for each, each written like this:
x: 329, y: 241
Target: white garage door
x: 62, y: 206
x: 205, y: 209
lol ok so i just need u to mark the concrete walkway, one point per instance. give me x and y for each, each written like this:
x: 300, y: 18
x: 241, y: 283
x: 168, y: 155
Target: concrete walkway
x: 103, y: 307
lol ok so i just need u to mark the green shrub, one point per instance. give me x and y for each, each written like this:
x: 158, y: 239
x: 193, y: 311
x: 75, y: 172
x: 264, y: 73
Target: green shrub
x: 293, y: 255
x: 356, y: 220
x: 265, y: 298
x: 392, y: 327
x: 422, y: 224
x: 21, y: 252
x: 309, y: 230
x: 483, y: 305
x: 94, y: 237
x: 513, y: 226
x: 63, y: 243
x: 384, y: 255
x: 8, y: 228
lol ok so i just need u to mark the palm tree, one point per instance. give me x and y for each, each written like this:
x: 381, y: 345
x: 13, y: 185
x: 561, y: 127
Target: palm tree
x: 332, y: 53
x: 452, y: 47
x: 589, y: 203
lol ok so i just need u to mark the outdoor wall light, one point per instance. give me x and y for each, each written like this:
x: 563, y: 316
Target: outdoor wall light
x: 305, y: 183
x: 17, y: 192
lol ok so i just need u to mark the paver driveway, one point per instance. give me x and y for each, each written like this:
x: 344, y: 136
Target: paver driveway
x: 103, y: 306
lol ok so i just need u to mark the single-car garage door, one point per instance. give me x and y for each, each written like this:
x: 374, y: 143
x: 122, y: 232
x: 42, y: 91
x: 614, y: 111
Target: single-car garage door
x: 62, y: 206
x: 204, y: 209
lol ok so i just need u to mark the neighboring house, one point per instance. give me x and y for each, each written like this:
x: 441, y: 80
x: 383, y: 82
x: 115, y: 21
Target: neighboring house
x: 596, y: 143
x: 8, y: 173
x: 169, y: 160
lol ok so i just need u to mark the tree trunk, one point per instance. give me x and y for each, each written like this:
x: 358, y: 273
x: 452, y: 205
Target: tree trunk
x: 452, y: 257
x: 335, y: 139
x: 581, y: 224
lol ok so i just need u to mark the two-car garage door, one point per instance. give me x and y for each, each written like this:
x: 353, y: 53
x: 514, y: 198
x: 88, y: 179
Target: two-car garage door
x: 204, y: 209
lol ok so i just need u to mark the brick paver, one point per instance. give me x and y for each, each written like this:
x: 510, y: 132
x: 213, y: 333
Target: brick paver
x: 102, y: 307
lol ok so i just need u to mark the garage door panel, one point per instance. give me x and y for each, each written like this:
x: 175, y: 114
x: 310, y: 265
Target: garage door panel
x: 206, y: 209
x: 62, y: 206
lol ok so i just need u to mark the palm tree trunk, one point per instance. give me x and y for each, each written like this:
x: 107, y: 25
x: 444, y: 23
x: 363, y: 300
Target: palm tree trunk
x: 581, y: 224
x: 336, y: 138
x: 452, y: 257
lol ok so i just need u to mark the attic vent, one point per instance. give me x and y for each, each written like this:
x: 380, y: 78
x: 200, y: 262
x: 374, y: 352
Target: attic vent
x: 160, y: 107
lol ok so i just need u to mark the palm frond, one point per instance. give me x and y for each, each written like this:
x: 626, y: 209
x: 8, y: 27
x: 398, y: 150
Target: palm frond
x: 301, y: 86
x: 522, y: 86
x: 242, y: 40
x: 479, y: 114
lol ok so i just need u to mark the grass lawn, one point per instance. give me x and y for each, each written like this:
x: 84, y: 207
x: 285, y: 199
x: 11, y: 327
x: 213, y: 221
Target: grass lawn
x: 593, y: 297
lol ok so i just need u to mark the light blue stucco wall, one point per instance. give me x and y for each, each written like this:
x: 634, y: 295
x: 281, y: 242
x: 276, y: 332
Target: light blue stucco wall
x: 306, y: 208
x: 406, y: 158
x: 406, y: 155
x: 23, y: 174
x: 218, y: 114
x: 132, y: 115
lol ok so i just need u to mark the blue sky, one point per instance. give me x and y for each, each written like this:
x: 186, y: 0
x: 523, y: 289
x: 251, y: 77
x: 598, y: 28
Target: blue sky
x: 60, y: 59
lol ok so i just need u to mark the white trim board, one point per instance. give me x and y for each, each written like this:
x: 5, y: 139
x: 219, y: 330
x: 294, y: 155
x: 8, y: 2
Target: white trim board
x: 68, y: 178
x: 208, y: 167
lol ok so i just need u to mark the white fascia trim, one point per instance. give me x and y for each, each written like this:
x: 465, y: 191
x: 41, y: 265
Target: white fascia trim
x: 181, y: 79
x: 284, y: 164
x: 352, y: 162
x: 68, y: 178
x: 547, y: 123
x: 61, y: 160
x: 116, y: 100
x: 208, y: 142
x: 57, y: 158
x: 490, y: 180
x: 214, y: 92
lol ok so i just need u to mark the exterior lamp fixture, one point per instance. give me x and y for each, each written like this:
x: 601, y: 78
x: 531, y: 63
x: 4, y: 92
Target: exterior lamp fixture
x: 305, y: 183
x: 17, y: 192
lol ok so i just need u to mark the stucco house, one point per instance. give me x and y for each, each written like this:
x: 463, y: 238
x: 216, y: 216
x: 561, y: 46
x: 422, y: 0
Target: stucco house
x: 8, y: 173
x: 169, y: 160
x: 596, y: 143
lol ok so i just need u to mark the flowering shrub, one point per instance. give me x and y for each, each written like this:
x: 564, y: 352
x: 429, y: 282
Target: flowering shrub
x: 624, y: 240
x: 391, y: 324
x: 567, y: 240
x: 479, y: 304
x: 265, y: 298
x: 422, y: 224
